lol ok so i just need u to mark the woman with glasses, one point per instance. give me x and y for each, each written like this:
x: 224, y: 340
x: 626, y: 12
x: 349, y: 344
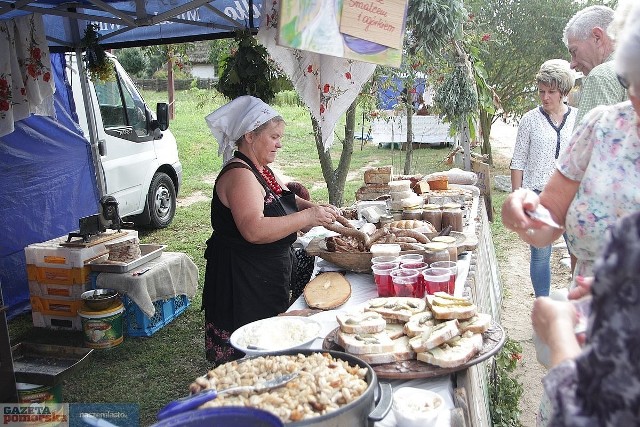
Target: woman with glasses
x: 597, y: 178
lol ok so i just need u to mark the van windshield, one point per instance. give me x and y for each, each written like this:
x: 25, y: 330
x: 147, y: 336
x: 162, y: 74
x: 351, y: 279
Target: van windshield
x: 121, y: 105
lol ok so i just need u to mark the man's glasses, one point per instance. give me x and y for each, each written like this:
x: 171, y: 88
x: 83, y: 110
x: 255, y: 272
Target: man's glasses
x: 623, y: 81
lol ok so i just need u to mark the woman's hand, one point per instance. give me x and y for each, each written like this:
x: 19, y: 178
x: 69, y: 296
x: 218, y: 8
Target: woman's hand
x: 514, y: 207
x: 582, y: 287
x: 321, y: 215
x: 554, y: 323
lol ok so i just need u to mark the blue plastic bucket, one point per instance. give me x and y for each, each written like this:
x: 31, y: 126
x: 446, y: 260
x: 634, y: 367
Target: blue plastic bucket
x: 227, y: 416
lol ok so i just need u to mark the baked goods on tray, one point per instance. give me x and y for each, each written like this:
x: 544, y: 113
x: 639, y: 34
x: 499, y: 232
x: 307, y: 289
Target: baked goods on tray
x: 447, y: 340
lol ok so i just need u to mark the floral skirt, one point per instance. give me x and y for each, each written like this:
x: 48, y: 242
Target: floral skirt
x: 217, y: 347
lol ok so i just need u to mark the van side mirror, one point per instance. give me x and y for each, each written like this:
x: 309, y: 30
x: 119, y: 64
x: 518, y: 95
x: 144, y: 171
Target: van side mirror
x: 162, y: 115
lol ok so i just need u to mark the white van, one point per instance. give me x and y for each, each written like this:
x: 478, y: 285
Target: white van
x: 136, y: 155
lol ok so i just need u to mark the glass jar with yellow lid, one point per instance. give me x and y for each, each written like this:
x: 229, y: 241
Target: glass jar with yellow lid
x: 452, y: 245
x: 436, y: 251
x: 433, y: 214
x: 452, y: 215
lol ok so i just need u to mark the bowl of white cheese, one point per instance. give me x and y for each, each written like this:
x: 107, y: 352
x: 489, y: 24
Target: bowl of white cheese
x: 415, y: 407
x: 275, y: 334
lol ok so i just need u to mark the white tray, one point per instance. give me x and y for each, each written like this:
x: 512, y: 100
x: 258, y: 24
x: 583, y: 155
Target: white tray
x: 148, y: 251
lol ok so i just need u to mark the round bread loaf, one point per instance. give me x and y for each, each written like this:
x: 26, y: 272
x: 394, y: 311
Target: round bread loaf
x: 327, y: 291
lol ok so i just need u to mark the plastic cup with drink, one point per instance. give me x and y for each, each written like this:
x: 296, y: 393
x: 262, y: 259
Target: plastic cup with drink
x: 419, y: 266
x: 436, y: 280
x: 405, y: 282
x: 382, y: 278
x: 452, y: 266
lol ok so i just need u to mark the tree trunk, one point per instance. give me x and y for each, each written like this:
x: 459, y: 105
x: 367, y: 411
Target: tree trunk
x: 409, y: 153
x: 336, y: 179
x: 485, y: 127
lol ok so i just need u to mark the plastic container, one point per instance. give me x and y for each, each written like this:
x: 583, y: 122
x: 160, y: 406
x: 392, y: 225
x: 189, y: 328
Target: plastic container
x: 436, y: 280
x: 64, y: 307
x: 228, y: 416
x: 102, y: 329
x: 35, y: 393
x: 137, y: 324
x: 415, y: 407
x: 452, y: 266
x: 380, y: 249
x: 419, y: 266
x: 410, y: 258
x: 382, y: 278
x: 406, y: 283
x: 41, y: 320
x: 385, y: 259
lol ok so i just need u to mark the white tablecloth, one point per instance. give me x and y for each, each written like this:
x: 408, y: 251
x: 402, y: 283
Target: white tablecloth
x: 363, y: 288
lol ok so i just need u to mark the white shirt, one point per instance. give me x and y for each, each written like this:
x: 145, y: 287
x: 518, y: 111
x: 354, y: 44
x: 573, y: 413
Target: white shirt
x: 538, y: 144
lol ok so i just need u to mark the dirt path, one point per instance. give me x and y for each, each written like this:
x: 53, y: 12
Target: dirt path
x: 518, y: 291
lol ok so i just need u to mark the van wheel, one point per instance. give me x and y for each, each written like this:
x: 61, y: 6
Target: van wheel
x: 161, y: 200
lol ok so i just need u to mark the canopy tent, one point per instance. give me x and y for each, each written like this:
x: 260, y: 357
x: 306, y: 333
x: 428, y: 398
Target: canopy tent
x: 47, y: 174
x: 137, y: 23
x: 125, y: 24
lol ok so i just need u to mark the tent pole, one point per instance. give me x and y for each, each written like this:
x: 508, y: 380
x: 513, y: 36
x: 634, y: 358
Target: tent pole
x: 91, y: 119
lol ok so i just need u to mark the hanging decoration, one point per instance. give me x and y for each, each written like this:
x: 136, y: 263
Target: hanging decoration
x: 327, y: 85
x: 26, y: 82
x: 97, y: 63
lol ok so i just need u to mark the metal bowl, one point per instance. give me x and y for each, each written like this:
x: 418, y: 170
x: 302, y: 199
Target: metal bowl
x: 100, y: 299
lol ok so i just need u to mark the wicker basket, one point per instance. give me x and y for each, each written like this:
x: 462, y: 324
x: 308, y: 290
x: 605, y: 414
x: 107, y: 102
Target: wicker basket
x: 360, y: 262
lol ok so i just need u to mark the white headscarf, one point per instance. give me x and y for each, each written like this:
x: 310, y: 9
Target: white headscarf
x: 236, y: 118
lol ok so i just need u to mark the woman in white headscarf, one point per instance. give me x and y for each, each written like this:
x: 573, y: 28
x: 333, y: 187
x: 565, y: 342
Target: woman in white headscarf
x: 255, y: 219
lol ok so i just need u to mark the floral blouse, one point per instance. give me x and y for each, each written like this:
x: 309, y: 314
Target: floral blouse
x: 601, y: 387
x: 604, y: 155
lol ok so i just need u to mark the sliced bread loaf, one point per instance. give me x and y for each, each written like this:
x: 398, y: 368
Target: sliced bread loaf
x: 401, y: 352
x: 453, y: 353
x: 361, y: 322
x: 365, y: 343
x: 439, y: 334
x: 396, y: 309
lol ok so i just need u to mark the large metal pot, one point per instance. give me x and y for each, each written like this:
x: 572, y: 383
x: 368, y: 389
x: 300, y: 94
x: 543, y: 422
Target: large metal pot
x: 373, y: 405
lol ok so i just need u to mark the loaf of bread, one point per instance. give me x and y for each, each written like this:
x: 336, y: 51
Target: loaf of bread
x: 477, y: 324
x: 365, y: 343
x: 401, y: 351
x: 396, y: 309
x: 418, y: 323
x: 454, y: 353
x: 407, y: 223
x: 437, y: 335
x: 368, y: 322
x: 446, y: 307
x: 327, y: 291
x: 372, y: 191
x: 379, y: 175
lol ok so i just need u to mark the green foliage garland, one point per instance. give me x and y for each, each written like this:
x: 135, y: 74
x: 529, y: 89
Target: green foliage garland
x: 97, y: 63
x: 247, y: 71
x: 504, y: 390
x: 432, y: 23
x: 456, y: 97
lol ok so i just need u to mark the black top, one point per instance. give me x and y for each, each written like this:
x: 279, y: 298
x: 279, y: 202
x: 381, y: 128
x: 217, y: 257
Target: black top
x: 244, y: 281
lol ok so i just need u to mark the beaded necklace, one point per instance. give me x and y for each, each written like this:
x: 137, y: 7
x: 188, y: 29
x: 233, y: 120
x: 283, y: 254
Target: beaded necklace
x: 271, y: 181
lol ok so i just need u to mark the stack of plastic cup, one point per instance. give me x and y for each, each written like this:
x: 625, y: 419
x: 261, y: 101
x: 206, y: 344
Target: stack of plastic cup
x: 382, y: 277
x: 453, y: 271
x: 405, y: 282
x: 436, y: 280
x: 419, y: 266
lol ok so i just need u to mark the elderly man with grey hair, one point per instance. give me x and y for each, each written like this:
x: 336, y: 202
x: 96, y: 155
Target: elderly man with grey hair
x: 591, y: 49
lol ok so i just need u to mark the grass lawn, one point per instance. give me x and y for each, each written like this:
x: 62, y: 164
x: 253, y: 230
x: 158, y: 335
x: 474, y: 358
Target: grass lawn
x: 155, y: 370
